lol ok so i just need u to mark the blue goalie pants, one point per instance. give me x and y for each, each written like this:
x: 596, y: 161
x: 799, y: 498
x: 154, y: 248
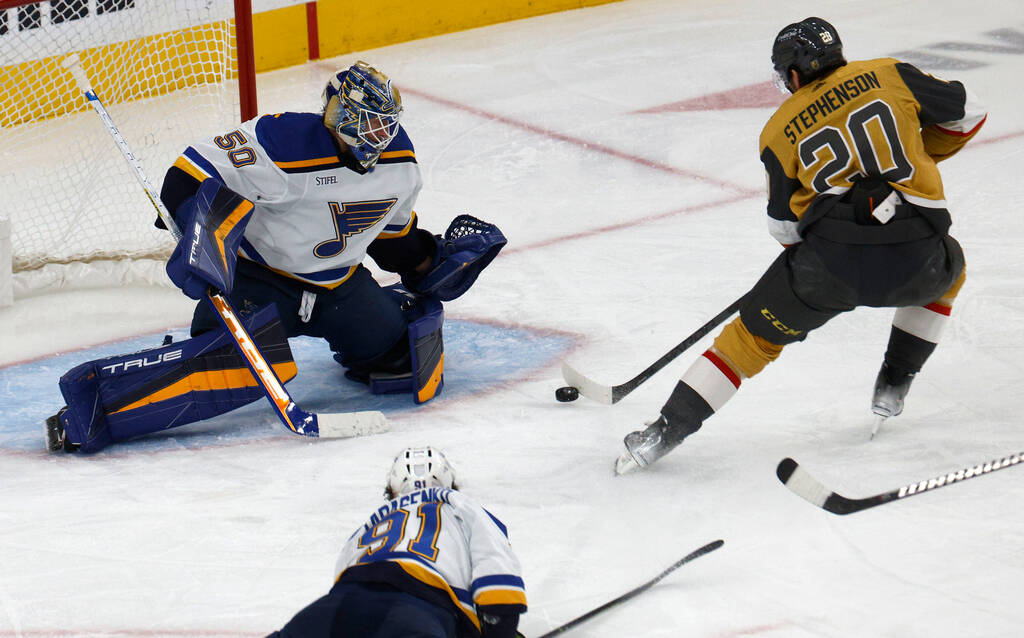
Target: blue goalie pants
x: 360, y: 320
x: 369, y: 610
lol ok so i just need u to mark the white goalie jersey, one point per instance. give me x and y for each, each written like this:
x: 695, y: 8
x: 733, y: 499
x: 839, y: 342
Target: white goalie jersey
x: 315, y: 212
x: 439, y: 545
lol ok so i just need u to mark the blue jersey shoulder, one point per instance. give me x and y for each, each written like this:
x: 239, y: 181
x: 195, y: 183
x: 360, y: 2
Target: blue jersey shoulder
x: 297, y: 142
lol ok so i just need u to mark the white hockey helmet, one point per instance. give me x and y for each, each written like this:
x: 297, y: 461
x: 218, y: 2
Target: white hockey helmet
x: 417, y: 468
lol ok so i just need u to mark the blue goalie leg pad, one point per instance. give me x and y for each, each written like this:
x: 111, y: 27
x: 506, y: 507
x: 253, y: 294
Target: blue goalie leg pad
x: 426, y: 345
x: 83, y: 419
x: 426, y: 348
x: 383, y: 383
x: 128, y: 396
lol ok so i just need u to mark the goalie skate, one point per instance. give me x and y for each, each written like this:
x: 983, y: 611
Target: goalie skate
x: 56, y: 439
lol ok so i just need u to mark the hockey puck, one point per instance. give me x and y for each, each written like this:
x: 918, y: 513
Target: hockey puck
x: 567, y: 393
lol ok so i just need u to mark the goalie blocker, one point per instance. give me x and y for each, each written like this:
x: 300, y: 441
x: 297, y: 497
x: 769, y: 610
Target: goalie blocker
x: 128, y: 396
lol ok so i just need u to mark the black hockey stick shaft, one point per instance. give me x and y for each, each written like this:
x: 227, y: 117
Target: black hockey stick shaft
x: 622, y: 390
x: 707, y: 549
x: 611, y: 394
x: 807, y: 487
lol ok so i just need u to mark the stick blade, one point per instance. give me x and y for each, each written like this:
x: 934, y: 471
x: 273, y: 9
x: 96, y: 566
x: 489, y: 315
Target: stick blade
x: 803, y: 484
x: 70, y: 61
x: 695, y: 554
x: 73, y: 64
x: 785, y: 469
x: 345, y: 425
x: 707, y: 549
x: 587, y: 387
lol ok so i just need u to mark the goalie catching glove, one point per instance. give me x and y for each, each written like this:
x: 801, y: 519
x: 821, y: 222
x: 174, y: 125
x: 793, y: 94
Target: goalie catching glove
x: 468, y: 246
x: 212, y: 224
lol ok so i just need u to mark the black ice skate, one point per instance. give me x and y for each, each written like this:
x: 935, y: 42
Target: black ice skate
x: 646, y: 446
x: 56, y: 439
x: 891, y: 387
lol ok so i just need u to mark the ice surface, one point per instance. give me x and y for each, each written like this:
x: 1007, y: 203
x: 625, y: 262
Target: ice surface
x: 613, y: 148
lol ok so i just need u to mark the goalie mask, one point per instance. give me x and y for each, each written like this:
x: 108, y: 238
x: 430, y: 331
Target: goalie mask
x: 418, y: 468
x: 362, y: 107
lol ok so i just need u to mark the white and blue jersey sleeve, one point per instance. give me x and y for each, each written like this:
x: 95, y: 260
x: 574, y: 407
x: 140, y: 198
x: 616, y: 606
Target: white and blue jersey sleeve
x: 315, y: 214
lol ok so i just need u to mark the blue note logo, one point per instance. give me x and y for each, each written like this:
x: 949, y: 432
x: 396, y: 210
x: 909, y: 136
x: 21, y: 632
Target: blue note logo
x: 351, y: 218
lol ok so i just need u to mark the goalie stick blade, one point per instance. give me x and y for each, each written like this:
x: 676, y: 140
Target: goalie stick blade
x: 345, y: 425
x: 587, y: 387
x: 807, y: 487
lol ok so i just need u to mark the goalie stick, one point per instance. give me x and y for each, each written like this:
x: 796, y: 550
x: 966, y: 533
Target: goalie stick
x: 707, y: 549
x: 297, y: 420
x: 613, y: 394
x: 807, y: 487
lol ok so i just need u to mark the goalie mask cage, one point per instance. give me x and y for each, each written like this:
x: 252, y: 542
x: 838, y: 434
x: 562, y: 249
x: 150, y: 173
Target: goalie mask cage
x: 169, y: 71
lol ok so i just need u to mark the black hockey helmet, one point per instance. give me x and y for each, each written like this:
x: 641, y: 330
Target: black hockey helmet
x: 811, y: 46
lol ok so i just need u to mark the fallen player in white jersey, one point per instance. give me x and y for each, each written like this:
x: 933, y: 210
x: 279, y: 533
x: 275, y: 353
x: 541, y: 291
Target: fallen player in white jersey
x: 429, y: 563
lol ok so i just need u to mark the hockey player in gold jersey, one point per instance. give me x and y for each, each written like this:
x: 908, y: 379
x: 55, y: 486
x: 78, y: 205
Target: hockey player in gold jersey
x: 855, y: 196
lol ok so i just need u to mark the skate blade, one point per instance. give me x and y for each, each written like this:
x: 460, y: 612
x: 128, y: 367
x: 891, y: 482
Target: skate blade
x: 626, y: 464
x: 879, y: 419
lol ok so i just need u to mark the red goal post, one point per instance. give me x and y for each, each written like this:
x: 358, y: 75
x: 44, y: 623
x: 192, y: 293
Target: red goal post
x: 169, y: 71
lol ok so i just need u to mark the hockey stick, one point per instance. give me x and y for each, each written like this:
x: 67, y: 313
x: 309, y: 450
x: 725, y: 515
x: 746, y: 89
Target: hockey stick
x: 613, y: 394
x: 707, y: 549
x: 297, y: 420
x: 807, y: 487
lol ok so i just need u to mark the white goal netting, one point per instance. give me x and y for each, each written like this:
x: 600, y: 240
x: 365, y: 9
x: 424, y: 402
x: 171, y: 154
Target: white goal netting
x: 166, y: 71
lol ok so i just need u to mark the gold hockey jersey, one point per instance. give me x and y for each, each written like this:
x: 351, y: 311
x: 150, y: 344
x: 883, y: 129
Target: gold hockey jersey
x: 867, y: 118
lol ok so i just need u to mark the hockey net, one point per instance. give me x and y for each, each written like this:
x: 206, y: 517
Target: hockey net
x: 167, y: 72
